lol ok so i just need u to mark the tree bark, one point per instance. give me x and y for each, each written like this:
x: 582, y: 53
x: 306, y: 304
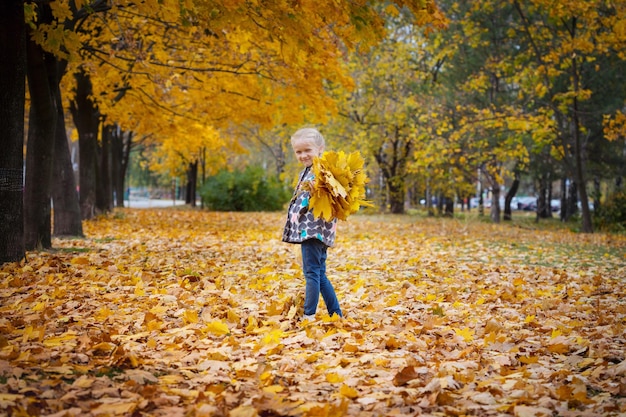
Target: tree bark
x: 66, y: 208
x: 192, y: 179
x: 495, y: 203
x: 117, y: 169
x: 104, y: 189
x: 391, y: 157
x: 508, y: 214
x: 429, y: 198
x: 40, y: 147
x: 544, y: 208
x: 597, y: 193
x: 570, y: 208
x: 12, y: 93
x: 587, y: 226
x: 448, y: 207
x: 397, y: 193
x: 87, y: 121
x: 563, y: 212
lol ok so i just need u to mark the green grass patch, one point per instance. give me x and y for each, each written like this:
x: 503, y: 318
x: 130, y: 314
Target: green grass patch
x: 74, y: 250
x: 105, y: 239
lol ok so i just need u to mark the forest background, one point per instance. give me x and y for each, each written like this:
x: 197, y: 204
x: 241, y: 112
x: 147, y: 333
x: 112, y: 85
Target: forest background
x: 446, y: 101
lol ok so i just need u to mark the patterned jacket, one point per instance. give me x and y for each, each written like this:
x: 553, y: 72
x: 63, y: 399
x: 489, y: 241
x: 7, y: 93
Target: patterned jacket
x: 301, y: 224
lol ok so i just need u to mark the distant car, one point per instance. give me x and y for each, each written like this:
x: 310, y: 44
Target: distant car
x: 487, y: 203
x: 527, y: 203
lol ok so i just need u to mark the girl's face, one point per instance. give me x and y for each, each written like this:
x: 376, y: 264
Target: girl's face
x: 306, y: 150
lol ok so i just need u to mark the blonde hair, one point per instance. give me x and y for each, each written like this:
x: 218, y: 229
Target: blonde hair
x: 309, y: 133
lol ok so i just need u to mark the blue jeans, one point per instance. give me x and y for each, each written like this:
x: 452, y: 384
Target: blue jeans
x: 314, y: 268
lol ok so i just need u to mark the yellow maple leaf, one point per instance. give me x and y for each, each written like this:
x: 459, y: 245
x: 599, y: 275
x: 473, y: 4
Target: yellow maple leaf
x: 273, y: 389
x: 349, y: 392
x: 139, y: 290
x: 118, y: 408
x: 55, y: 341
x: 334, y: 377
x: 466, y: 333
x: 556, y: 333
x: 244, y: 411
x: 529, y: 359
x: 80, y: 260
x: 252, y: 324
x: 273, y: 336
x: 322, y: 205
x: 217, y: 328
x: 490, y: 338
x: 190, y: 316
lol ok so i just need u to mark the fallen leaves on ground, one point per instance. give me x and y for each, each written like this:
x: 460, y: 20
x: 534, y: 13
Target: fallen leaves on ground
x: 189, y: 313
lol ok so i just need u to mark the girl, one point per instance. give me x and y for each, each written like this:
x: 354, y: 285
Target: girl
x: 314, y: 234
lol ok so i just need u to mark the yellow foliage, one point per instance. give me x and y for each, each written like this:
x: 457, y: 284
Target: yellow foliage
x: 615, y: 126
x: 349, y: 392
x: 218, y: 328
x: 334, y: 377
x: 339, y: 186
x: 466, y: 333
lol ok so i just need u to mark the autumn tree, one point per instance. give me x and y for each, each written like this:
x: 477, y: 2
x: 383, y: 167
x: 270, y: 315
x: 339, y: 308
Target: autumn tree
x: 483, y: 122
x: 196, y: 149
x: 386, y: 104
x: 567, y: 48
x: 513, y: 75
x: 238, y: 73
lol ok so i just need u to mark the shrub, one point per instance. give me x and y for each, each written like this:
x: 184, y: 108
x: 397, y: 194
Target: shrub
x: 611, y: 216
x: 247, y: 190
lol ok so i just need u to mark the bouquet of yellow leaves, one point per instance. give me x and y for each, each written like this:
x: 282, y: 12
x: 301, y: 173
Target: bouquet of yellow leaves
x: 339, y: 186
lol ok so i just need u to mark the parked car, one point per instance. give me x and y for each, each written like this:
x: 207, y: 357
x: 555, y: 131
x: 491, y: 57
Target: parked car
x: 527, y: 203
x: 487, y: 203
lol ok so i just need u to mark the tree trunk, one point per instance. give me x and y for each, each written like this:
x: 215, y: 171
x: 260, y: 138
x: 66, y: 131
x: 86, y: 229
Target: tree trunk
x: 120, y: 153
x: 117, y: 173
x: 66, y: 213
x: 12, y: 93
x: 439, y: 203
x: 481, y: 200
x: 563, y: 213
x: 391, y: 158
x: 396, y: 195
x: 544, y: 210
x: 192, y: 179
x: 429, y: 198
x: 587, y: 226
x: 203, y: 172
x: 449, y: 207
x: 571, y: 201
x: 40, y: 148
x: 597, y: 194
x: 509, y: 197
x: 104, y: 189
x: 86, y: 120
x: 495, y: 204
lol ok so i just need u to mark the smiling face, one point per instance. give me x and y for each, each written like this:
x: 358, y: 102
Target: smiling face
x: 306, y: 149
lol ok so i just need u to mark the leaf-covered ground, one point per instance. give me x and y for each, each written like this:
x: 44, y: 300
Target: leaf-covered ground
x: 188, y: 313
